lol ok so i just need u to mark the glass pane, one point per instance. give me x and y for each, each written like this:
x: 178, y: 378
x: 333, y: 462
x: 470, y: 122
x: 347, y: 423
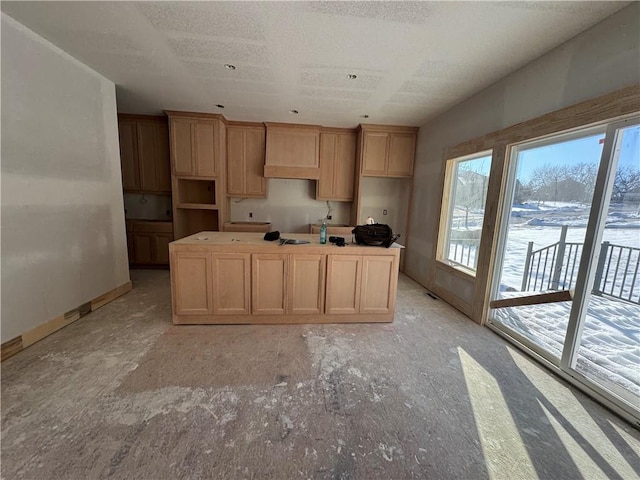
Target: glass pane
x: 552, y: 194
x: 469, y: 193
x: 609, y: 347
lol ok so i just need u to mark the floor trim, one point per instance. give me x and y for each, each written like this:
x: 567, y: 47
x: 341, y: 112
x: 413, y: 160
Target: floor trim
x: 19, y: 343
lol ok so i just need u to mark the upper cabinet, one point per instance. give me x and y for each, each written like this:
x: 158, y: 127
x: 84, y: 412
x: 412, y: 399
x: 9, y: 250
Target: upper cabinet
x: 387, y: 151
x: 245, y: 160
x: 144, y: 154
x: 337, y: 165
x: 292, y: 151
x: 194, y: 145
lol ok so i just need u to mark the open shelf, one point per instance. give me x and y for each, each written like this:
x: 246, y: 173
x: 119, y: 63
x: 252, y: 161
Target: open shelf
x: 197, y: 206
x: 196, y: 192
x: 190, y: 221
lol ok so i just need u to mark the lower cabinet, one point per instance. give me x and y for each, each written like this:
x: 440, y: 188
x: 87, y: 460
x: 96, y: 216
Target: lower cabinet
x: 148, y: 242
x: 306, y: 284
x: 360, y: 284
x: 344, y: 275
x: 379, y: 284
x: 191, y: 278
x: 231, y: 283
x: 247, y: 286
x: 288, y: 284
x: 269, y: 283
x: 205, y: 283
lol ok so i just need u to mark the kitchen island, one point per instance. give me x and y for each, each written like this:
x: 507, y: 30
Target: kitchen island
x: 234, y: 278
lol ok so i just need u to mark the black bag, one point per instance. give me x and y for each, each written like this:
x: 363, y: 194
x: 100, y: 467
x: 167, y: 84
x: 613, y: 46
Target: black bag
x: 377, y: 234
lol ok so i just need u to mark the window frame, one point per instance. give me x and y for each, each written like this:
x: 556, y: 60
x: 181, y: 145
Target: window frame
x: 447, y: 209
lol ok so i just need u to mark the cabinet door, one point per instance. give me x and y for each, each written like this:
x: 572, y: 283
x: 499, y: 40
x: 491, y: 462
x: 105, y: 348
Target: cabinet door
x: 231, y: 283
x: 143, y: 248
x: 269, y: 283
x: 130, y: 247
x: 254, y: 142
x: 191, y: 277
x: 343, y: 284
x: 129, y: 155
x: 182, y: 151
x: 374, y: 154
x: 161, y: 250
x: 379, y: 283
x: 163, y: 165
x: 345, y: 166
x: 148, y: 156
x: 306, y: 284
x: 402, y: 149
x: 205, y: 158
x: 326, y: 183
x: 236, y: 176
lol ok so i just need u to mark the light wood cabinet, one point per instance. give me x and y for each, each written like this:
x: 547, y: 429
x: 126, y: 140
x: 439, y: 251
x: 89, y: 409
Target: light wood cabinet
x: 231, y: 283
x: 191, y: 279
x: 344, y: 274
x: 193, y: 146
x: 245, y: 161
x: 361, y: 284
x: 379, y: 284
x: 253, y: 281
x: 292, y: 151
x: 387, y: 151
x: 337, y: 165
x: 306, y: 284
x: 148, y: 242
x: 269, y: 283
x: 144, y: 154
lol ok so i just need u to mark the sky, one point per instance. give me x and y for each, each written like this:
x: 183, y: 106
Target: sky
x: 587, y: 149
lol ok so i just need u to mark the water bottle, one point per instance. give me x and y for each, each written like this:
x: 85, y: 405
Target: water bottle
x: 323, y: 232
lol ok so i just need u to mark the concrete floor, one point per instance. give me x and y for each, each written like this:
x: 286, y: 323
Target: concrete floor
x: 122, y: 393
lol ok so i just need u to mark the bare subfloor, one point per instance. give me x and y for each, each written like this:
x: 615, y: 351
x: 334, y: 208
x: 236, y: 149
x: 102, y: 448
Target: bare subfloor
x: 123, y: 393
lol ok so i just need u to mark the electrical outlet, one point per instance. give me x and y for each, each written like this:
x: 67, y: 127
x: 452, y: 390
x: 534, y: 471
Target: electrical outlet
x: 384, y: 212
x: 250, y: 214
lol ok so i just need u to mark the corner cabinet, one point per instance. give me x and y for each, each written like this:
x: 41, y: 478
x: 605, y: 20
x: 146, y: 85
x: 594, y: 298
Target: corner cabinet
x: 292, y: 151
x: 144, y: 154
x: 337, y: 165
x: 387, y: 151
x: 245, y: 160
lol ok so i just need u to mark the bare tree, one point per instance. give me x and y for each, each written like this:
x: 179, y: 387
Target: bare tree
x: 626, y: 181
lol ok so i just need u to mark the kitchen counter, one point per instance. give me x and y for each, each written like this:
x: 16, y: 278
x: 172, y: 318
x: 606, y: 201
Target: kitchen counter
x: 235, y: 277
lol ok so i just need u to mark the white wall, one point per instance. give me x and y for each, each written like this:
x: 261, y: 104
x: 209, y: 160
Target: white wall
x: 290, y: 207
x: 386, y: 194
x: 63, y: 233
x: 598, y: 61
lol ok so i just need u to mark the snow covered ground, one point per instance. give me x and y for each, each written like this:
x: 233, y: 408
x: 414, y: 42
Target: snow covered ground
x: 609, y: 349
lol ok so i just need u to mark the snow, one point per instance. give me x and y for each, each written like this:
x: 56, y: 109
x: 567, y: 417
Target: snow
x: 609, y: 348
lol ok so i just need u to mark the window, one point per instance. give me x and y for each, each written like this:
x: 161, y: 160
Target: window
x: 465, y: 193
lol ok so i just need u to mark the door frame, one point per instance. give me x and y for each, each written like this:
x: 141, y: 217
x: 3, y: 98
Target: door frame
x: 565, y: 366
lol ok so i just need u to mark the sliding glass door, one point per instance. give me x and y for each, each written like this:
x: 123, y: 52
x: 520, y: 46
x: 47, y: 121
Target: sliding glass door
x: 567, y: 279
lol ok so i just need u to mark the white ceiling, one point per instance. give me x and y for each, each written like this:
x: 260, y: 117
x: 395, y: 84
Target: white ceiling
x: 413, y: 60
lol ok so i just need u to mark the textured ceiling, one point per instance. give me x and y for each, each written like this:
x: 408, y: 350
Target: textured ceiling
x: 413, y: 60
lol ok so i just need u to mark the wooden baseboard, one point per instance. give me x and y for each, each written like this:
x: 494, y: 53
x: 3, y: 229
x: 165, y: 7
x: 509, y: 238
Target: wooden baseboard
x: 15, y: 345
